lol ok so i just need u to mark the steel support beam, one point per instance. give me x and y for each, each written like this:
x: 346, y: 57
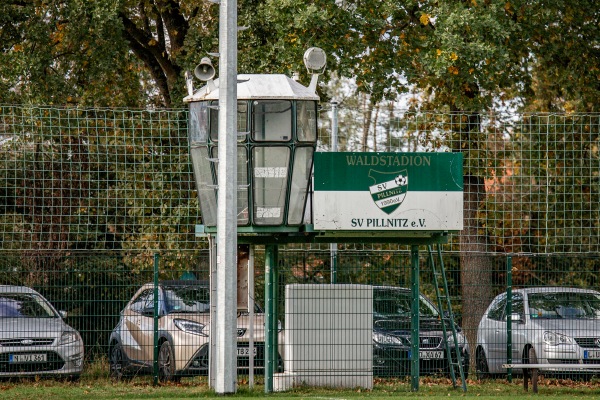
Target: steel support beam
x: 226, y: 377
x: 414, y: 323
x: 271, y: 251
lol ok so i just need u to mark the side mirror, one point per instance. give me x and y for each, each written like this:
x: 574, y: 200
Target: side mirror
x: 63, y: 314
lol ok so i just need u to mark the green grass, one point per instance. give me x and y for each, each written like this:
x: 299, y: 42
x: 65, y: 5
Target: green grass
x: 93, y: 387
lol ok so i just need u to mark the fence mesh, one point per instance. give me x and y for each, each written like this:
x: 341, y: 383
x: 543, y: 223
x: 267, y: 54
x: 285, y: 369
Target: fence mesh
x: 108, y: 300
x: 95, y: 179
x: 121, y: 179
x: 91, y: 197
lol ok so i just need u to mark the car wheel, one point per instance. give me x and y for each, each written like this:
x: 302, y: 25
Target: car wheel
x: 117, y: 362
x: 166, y: 363
x: 481, y: 366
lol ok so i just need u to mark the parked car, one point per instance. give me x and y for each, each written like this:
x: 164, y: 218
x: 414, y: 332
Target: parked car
x: 183, y: 333
x: 392, y: 336
x: 550, y: 325
x: 34, y: 339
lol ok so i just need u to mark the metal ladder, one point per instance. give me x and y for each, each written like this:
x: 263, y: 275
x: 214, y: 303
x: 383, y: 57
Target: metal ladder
x: 447, y: 317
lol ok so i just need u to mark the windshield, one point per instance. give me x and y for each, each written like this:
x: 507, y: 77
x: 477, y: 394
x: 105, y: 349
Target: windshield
x: 568, y: 305
x: 24, y: 305
x: 390, y: 303
x: 187, y: 299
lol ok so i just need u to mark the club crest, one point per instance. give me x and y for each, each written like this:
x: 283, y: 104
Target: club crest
x: 389, y: 189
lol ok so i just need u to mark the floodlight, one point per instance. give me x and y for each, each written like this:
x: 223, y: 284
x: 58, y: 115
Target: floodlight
x: 315, y: 60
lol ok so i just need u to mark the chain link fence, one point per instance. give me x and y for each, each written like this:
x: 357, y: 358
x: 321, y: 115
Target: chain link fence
x: 92, y: 199
x: 90, y: 179
x: 108, y: 300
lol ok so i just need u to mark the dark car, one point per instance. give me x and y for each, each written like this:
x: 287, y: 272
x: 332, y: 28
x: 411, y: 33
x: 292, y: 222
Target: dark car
x: 392, y: 335
x: 183, y: 333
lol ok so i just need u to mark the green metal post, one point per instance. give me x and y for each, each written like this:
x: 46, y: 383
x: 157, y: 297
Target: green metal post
x: 414, y: 354
x: 274, y: 320
x: 333, y: 260
x: 271, y: 315
x: 155, y: 314
x: 508, y: 313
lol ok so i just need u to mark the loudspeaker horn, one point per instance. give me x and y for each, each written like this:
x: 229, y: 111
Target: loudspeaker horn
x: 205, y: 70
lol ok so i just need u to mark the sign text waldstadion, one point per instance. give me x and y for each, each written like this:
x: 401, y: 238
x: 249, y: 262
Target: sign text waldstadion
x: 388, y: 191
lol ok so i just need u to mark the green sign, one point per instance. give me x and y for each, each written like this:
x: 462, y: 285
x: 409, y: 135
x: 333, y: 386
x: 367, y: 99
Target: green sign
x: 388, y: 191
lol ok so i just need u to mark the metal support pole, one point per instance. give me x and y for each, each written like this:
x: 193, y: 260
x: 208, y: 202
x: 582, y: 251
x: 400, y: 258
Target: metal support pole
x: 226, y: 349
x: 155, y: 314
x: 274, y: 334
x: 333, y: 261
x: 212, y: 348
x: 414, y: 317
x: 334, y: 126
x: 270, y: 315
x: 251, y: 315
x: 333, y: 249
x: 509, y: 312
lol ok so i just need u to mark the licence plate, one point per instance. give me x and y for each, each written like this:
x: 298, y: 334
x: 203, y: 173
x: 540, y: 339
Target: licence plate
x: 245, y: 351
x: 26, y: 358
x: 431, y: 355
x: 591, y: 354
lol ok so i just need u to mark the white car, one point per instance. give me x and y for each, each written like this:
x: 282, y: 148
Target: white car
x: 34, y: 339
x: 550, y: 325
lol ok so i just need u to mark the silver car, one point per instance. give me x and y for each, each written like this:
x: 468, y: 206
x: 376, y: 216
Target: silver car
x: 550, y: 325
x: 34, y: 339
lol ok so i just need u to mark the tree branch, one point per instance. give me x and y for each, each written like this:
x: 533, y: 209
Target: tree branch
x: 153, y: 55
x: 160, y: 28
x: 177, y: 26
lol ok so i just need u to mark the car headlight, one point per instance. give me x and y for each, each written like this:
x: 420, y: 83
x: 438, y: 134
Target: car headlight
x: 382, y: 338
x: 68, y: 337
x: 195, y: 328
x: 554, y: 339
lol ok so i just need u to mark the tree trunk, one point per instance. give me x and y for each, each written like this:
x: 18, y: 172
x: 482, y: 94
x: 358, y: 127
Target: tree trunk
x: 368, y: 111
x: 388, y: 130
x: 375, y: 127
x: 476, y: 265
